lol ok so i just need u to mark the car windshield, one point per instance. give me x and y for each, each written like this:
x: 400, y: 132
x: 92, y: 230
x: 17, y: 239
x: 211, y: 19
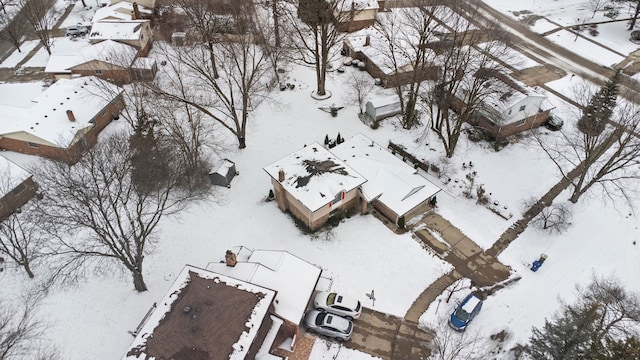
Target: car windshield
x: 331, y: 298
x: 462, y: 315
x: 320, y: 318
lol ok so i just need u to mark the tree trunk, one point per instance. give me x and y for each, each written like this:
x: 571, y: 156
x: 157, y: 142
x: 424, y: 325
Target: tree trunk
x: 634, y: 19
x: 276, y: 23
x: 84, y: 4
x: 27, y: 269
x: 214, y: 67
x: 138, y: 281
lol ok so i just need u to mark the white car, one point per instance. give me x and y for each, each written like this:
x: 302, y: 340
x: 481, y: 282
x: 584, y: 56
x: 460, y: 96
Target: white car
x: 77, y: 30
x: 338, y: 304
x: 327, y: 324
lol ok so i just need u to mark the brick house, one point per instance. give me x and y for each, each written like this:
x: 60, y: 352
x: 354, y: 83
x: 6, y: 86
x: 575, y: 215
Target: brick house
x: 108, y: 60
x: 314, y: 185
x: 206, y: 315
x: 64, y: 121
x: 293, y: 278
x: 136, y: 33
x: 16, y: 187
x: 371, y: 48
x: 393, y: 187
x: 123, y: 10
x: 353, y: 15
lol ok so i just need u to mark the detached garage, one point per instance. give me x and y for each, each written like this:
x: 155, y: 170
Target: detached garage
x: 223, y: 173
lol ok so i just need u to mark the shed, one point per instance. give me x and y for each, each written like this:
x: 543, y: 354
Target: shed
x: 223, y: 173
x: 380, y: 108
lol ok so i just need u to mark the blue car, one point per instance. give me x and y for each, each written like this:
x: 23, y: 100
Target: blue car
x: 465, y: 312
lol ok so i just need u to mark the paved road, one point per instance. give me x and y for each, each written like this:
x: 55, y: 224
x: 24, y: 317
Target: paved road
x: 540, y: 48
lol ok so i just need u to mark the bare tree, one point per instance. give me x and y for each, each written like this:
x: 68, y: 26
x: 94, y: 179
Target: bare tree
x: 361, y: 85
x: 469, y: 73
x: 99, y: 215
x: 12, y: 31
x: 555, y: 218
x: 408, y: 34
x: 39, y: 18
x: 595, y: 6
x: 22, y: 240
x: 607, y: 158
x: 315, y: 34
x: 189, y: 78
x: 3, y: 5
x: 191, y: 134
x: 21, y: 334
x: 207, y: 18
x: 448, y: 344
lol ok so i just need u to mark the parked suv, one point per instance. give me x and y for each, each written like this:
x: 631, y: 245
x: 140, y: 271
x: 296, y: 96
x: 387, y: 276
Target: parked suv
x: 329, y: 325
x: 338, y: 304
x: 465, y: 312
x: 77, y: 30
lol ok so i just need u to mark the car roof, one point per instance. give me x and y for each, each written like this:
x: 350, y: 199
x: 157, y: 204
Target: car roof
x: 346, y: 301
x: 470, y: 303
x: 337, y: 322
x: 340, y: 299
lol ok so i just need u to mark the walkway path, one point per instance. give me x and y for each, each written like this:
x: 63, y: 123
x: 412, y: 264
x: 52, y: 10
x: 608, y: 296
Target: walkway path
x: 390, y: 337
x: 468, y: 259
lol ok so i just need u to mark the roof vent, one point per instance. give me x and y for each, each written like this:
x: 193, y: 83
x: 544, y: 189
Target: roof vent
x: 186, y: 309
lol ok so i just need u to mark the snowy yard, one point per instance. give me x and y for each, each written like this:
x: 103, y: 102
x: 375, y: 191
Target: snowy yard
x: 92, y: 320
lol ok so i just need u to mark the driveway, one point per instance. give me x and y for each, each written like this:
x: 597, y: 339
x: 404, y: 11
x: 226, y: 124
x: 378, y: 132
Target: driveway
x: 389, y: 337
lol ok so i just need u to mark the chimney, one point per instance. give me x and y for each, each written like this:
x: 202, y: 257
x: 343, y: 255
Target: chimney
x: 281, y: 175
x: 367, y: 41
x: 230, y: 258
x: 70, y: 115
x: 136, y: 12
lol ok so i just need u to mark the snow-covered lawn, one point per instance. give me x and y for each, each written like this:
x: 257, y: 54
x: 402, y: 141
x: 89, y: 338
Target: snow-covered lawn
x: 91, y: 320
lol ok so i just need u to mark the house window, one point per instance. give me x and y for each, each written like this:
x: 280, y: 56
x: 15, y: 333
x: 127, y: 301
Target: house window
x: 522, y: 107
x: 33, y: 145
x: 339, y: 197
x: 98, y: 72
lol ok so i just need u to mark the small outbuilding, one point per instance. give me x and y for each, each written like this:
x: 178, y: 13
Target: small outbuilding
x: 380, y: 108
x: 223, y: 173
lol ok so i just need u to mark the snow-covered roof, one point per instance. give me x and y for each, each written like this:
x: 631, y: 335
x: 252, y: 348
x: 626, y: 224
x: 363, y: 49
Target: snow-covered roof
x: 346, y: 5
x: 119, y: 11
x: 471, y: 304
x: 170, y: 327
x: 398, y: 185
x: 108, y: 51
x: 507, y: 92
x: 263, y: 352
x: 293, y: 278
x: 61, y: 63
x: 143, y: 63
x: 12, y: 176
x: 222, y: 167
x: 117, y: 30
x: 314, y: 176
x: 46, y: 118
